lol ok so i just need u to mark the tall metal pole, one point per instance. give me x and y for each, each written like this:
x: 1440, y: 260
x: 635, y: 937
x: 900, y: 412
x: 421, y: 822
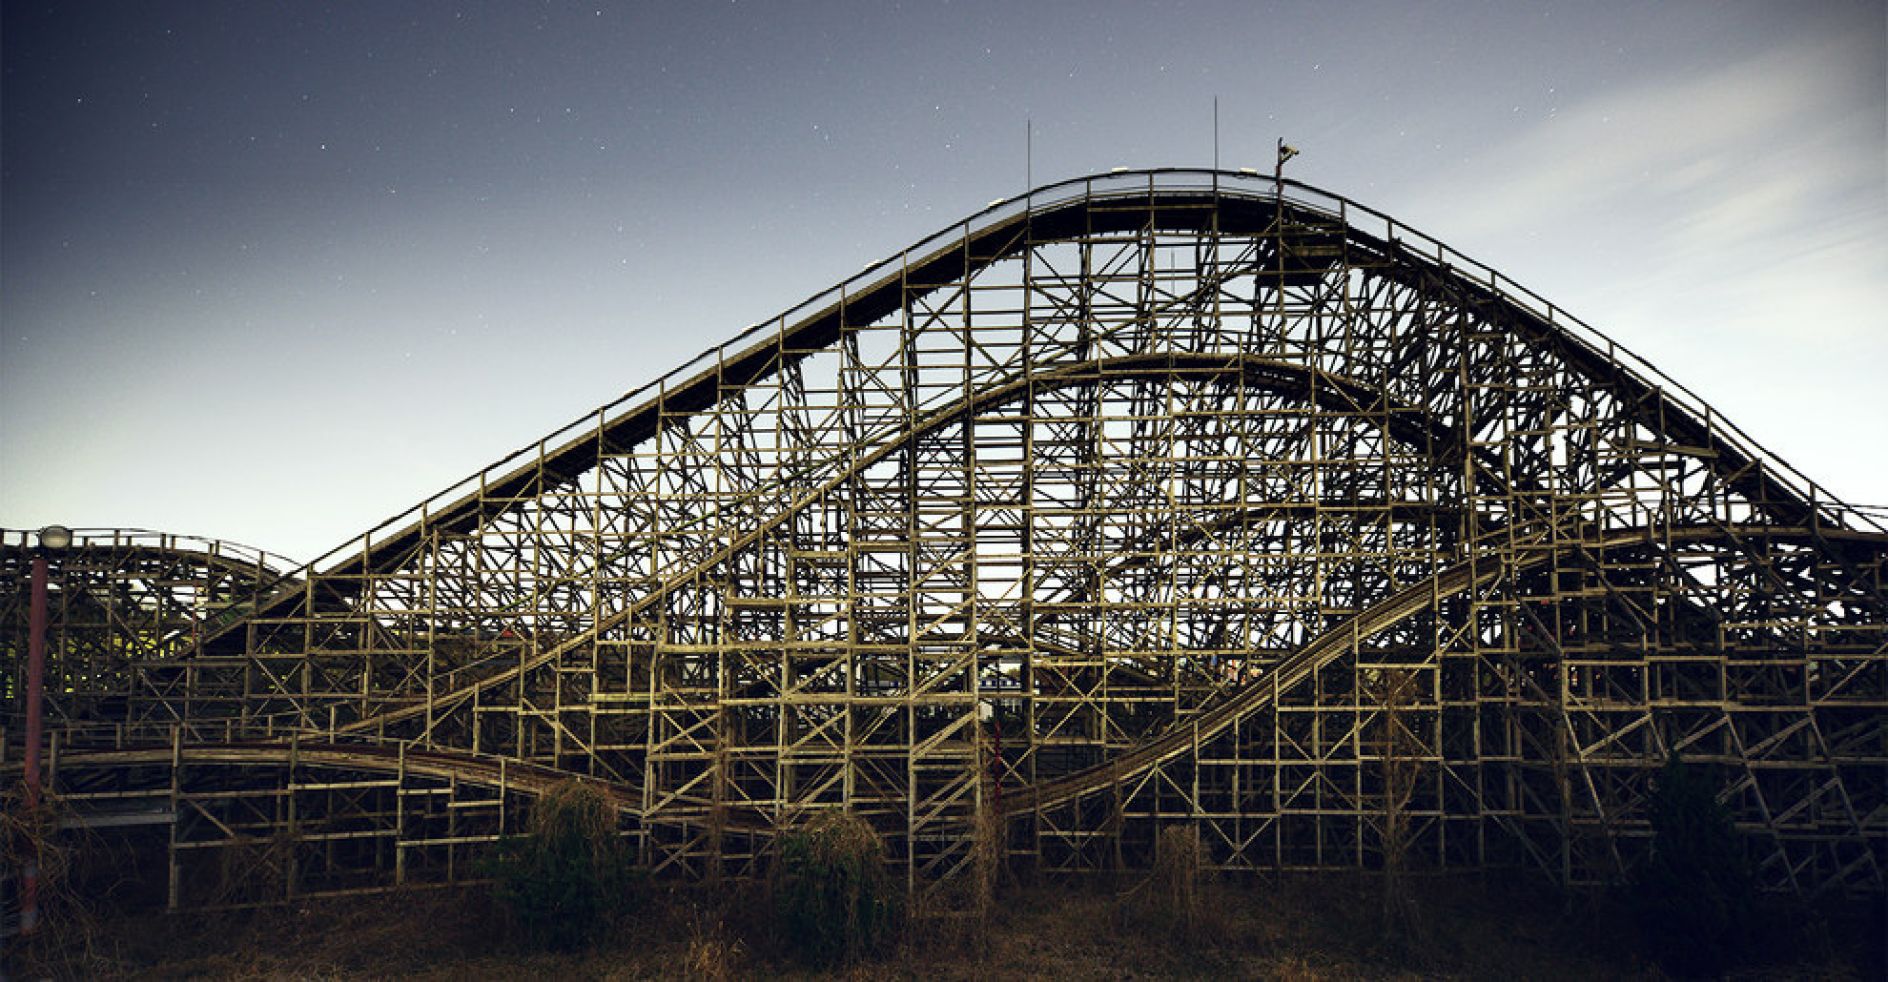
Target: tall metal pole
x: 35, y: 688
x: 1216, y: 133
x: 1029, y: 154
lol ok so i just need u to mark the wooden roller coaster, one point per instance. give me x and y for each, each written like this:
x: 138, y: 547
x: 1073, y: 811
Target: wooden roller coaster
x: 1115, y: 506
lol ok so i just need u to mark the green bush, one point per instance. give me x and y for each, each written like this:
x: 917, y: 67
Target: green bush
x: 833, y: 896
x: 1695, y: 893
x: 571, y: 876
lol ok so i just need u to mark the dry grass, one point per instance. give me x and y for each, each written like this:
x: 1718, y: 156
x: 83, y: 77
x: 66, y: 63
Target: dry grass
x: 1175, y: 877
x: 713, y: 953
x: 986, y: 862
x: 578, y: 809
x: 1296, y: 927
x: 70, y: 923
x: 1166, y: 902
x: 840, y: 837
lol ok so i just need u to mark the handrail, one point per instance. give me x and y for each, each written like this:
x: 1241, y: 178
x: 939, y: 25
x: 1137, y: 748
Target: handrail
x: 265, y: 562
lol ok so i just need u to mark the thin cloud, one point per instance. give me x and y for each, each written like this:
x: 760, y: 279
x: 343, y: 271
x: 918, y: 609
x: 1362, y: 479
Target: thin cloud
x: 1730, y: 227
x: 1731, y: 142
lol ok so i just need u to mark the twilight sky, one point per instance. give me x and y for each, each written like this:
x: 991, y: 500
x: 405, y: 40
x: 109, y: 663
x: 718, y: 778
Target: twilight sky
x: 273, y: 272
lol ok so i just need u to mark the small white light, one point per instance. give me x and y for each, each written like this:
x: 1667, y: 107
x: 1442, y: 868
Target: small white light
x: 1117, y: 170
x: 55, y: 537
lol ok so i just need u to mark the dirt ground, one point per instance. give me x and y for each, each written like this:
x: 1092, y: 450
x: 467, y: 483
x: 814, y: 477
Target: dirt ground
x: 1290, y: 927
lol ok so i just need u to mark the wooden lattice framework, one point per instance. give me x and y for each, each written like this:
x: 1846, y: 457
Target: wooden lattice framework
x: 1111, y: 507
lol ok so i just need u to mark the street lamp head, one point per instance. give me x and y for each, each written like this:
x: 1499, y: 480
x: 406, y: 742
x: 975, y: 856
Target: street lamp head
x: 55, y: 537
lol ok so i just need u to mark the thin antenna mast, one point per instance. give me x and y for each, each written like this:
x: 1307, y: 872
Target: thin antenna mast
x: 1216, y: 132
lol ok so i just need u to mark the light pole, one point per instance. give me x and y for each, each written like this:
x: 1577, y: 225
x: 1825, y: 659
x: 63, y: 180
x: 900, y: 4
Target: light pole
x: 1285, y: 152
x: 52, y: 538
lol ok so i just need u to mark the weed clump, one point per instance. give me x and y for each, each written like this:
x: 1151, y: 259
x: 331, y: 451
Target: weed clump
x: 833, y: 897
x: 571, y: 876
x: 31, y: 837
x: 1167, y: 901
x: 1178, y: 860
x: 712, y: 952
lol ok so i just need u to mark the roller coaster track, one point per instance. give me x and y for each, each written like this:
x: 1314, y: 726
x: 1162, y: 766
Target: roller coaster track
x: 1283, y: 377
x: 488, y: 772
x: 500, y: 772
x: 1075, y: 492
x: 1334, y: 644
x: 1085, y: 205
x: 990, y: 236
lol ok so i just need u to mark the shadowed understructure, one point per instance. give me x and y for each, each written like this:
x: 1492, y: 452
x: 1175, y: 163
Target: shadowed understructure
x: 1114, y: 507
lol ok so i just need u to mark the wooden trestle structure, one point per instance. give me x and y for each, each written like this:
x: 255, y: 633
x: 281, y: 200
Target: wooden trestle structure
x: 1117, y: 505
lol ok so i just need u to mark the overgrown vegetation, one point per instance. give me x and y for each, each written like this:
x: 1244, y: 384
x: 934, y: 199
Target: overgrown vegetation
x: 1167, y: 901
x: 27, y: 838
x: 1696, y: 892
x: 73, y: 869
x: 832, y: 899
x: 986, y: 861
x: 1301, y: 926
x: 571, y: 877
x: 713, y: 952
x: 833, y: 896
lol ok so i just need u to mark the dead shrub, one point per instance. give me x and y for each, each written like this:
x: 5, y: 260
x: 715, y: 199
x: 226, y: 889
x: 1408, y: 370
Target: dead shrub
x: 1168, y: 899
x: 1178, y: 860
